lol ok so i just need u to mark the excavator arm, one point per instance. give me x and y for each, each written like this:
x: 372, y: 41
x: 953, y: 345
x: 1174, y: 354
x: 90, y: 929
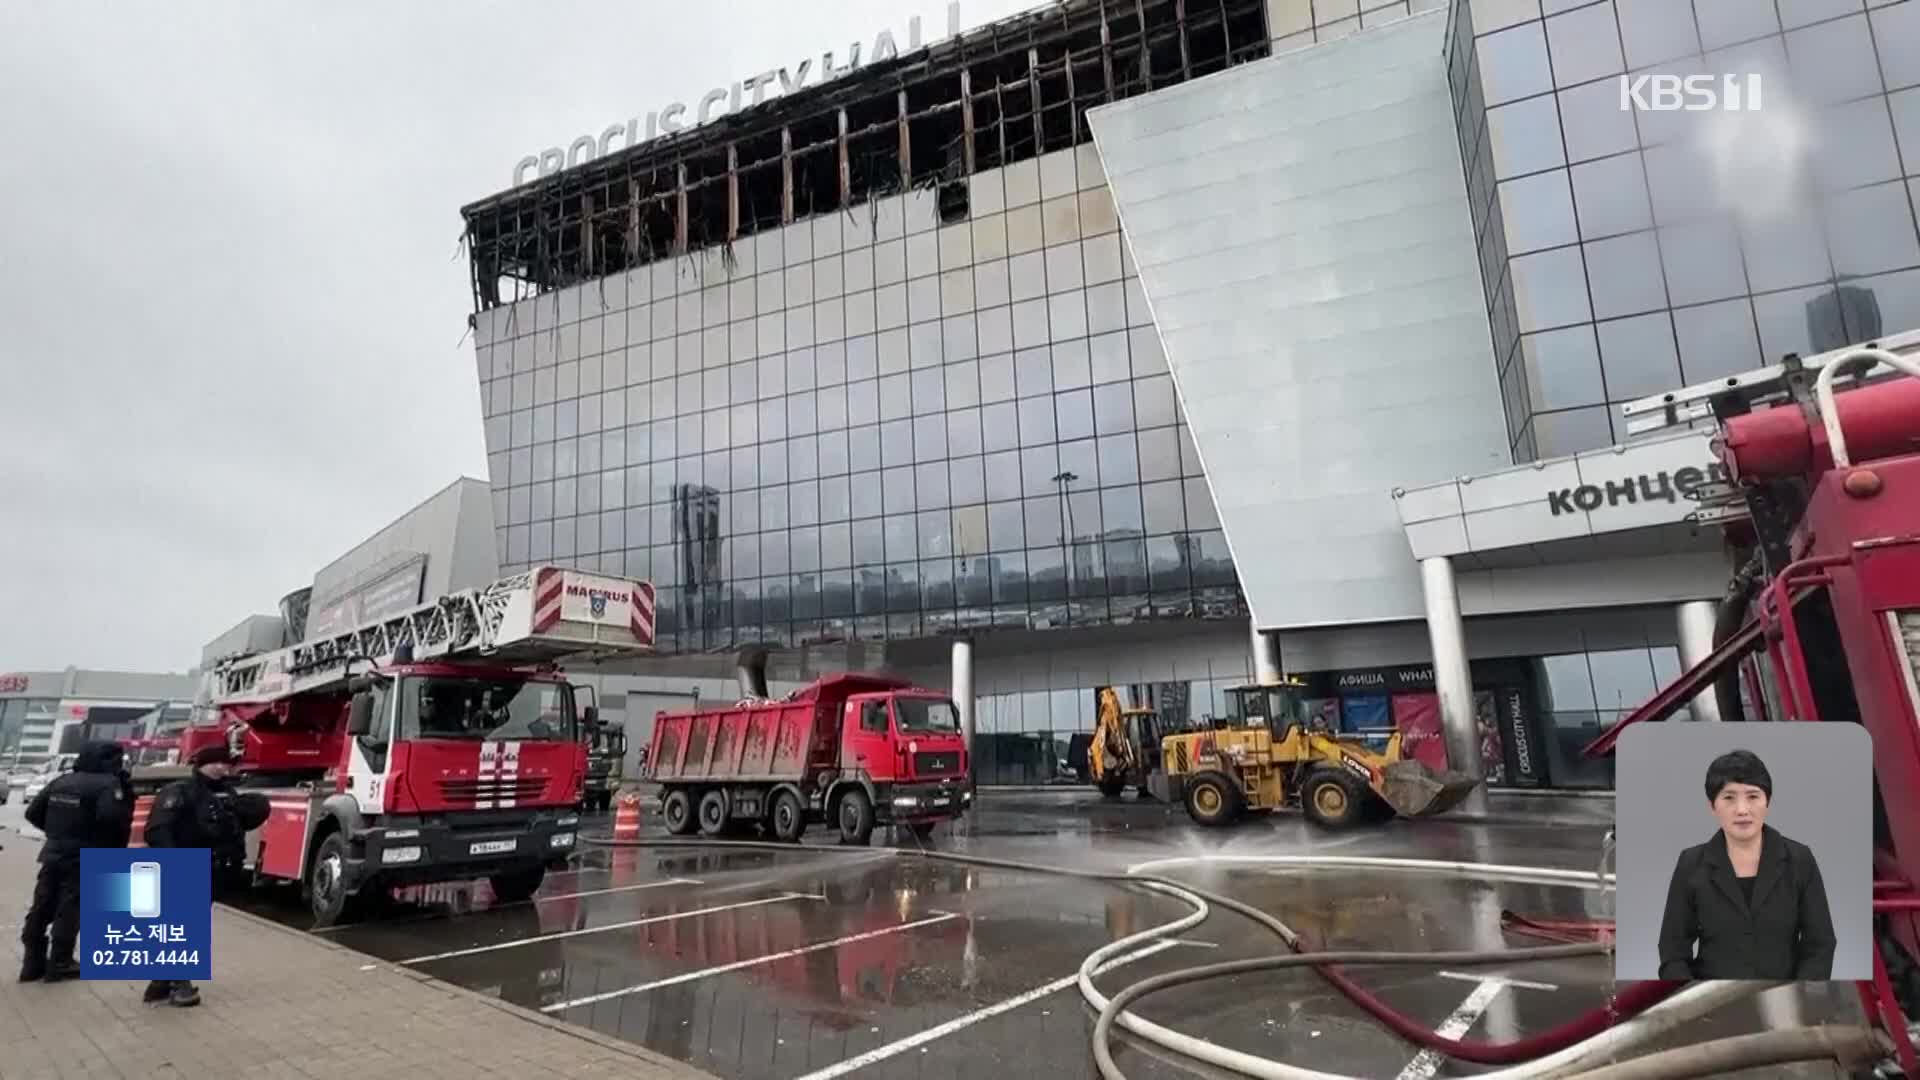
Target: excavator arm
x: 1111, y: 754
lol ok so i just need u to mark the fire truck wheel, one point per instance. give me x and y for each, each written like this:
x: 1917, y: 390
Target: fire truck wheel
x: 678, y: 812
x: 515, y: 887
x: 713, y: 813
x: 856, y: 817
x: 788, y: 820
x: 326, y: 881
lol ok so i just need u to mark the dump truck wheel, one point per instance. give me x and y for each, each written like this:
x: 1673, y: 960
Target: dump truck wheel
x: 1333, y: 799
x: 855, y: 817
x: 788, y: 819
x: 713, y: 813
x: 1212, y: 800
x: 1112, y: 786
x: 678, y: 812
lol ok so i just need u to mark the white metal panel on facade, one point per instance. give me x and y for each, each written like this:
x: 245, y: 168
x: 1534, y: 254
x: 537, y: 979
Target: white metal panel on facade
x: 1301, y: 229
x: 253, y: 634
x: 451, y: 531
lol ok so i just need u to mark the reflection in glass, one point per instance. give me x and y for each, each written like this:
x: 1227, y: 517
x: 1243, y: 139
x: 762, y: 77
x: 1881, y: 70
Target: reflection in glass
x: 1008, y: 571
x: 1046, y: 575
x: 869, y: 547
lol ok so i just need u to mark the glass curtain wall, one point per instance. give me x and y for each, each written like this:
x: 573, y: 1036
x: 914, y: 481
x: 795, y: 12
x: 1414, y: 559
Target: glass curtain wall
x: 886, y: 423
x: 1627, y: 251
x: 1584, y: 693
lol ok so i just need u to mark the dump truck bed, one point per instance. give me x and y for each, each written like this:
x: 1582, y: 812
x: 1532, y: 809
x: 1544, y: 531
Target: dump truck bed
x: 752, y: 741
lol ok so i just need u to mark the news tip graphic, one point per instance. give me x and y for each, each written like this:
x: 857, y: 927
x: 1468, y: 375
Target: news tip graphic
x: 1744, y: 851
x: 146, y: 913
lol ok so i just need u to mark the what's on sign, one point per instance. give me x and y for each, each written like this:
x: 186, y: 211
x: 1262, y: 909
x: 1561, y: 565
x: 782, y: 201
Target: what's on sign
x: 146, y: 913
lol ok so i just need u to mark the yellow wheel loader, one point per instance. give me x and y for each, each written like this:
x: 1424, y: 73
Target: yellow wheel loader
x: 1125, y: 748
x: 1268, y: 753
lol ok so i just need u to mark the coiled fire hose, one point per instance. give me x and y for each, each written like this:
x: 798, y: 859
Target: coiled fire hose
x: 1635, y: 1018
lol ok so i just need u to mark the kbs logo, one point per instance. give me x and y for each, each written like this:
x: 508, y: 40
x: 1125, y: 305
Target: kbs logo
x: 13, y: 684
x: 1690, y: 93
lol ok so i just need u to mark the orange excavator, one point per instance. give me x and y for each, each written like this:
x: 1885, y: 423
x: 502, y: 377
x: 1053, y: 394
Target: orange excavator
x: 1125, y: 750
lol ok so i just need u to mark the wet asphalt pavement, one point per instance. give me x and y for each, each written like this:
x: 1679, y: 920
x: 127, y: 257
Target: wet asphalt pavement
x: 825, y: 961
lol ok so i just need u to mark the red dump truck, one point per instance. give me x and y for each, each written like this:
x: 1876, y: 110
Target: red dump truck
x: 851, y: 750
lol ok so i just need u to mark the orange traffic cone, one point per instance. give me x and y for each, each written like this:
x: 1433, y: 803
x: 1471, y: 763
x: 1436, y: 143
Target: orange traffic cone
x: 626, y: 816
x: 142, y: 806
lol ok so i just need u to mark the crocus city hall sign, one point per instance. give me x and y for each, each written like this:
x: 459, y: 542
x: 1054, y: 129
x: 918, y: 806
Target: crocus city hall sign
x: 721, y: 100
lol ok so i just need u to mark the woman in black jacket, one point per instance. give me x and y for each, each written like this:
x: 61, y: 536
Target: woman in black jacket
x: 1750, y: 899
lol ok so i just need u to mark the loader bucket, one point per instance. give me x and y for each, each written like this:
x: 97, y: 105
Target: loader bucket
x: 1414, y: 790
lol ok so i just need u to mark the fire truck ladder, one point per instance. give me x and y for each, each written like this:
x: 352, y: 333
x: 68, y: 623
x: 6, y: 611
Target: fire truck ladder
x: 464, y: 622
x: 1792, y: 380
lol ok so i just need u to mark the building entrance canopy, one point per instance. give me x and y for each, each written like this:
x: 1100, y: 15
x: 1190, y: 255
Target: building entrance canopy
x: 1617, y: 502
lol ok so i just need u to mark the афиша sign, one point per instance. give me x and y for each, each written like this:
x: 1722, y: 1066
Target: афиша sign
x: 721, y: 100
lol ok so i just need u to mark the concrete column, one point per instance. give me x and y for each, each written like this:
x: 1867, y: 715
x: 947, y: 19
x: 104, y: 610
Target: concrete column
x: 1502, y: 1018
x: 1451, y: 678
x: 962, y: 689
x: 1696, y: 618
x: 1266, y: 655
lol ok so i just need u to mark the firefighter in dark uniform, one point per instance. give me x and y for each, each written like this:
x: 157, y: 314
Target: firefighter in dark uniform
x: 197, y: 812
x: 92, y: 806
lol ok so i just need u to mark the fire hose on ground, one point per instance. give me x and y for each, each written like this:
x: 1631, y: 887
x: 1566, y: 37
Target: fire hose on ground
x: 1588, y: 1045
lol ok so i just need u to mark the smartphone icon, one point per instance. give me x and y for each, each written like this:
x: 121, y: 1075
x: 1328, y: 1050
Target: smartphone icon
x: 143, y: 894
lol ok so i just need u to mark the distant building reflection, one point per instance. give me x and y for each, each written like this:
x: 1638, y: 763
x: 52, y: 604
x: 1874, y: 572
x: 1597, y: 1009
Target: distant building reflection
x: 1842, y: 316
x: 800, y: 596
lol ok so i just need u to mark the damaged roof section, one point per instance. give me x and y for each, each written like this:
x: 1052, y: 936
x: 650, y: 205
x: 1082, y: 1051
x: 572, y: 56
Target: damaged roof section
x: 1002, y: 94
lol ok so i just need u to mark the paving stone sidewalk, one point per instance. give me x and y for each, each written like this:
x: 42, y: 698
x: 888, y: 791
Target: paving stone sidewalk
x: 282, y: 1004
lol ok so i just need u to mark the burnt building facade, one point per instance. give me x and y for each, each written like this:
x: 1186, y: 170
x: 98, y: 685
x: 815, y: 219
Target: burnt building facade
x: 1085, y: 338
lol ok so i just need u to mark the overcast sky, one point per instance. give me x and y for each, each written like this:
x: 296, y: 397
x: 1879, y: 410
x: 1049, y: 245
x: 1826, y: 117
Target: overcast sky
x: 232, y: 312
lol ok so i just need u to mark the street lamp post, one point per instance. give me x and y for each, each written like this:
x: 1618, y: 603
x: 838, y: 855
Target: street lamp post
x: 1065, y: 479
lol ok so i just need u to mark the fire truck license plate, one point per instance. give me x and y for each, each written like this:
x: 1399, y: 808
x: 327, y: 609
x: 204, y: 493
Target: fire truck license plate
x: 492, y: 847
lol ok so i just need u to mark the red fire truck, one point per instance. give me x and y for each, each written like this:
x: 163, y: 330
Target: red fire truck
x: 850, y: 749
x: 438, y: 744
x: 1822, y: 620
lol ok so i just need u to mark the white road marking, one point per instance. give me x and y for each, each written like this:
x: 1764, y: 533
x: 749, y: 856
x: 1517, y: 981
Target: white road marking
x: 911, y: 1042
x: 1427, y: 1063
x: 617, y: 889
x: 689, y: 976
x: 630, y: 923
x: 337, y: 927
x: 1501, y: 979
